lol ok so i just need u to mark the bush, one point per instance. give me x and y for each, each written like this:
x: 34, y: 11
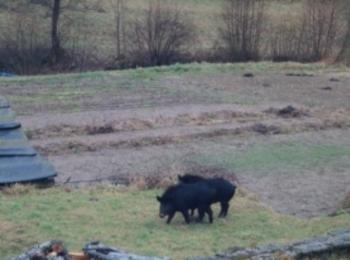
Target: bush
x: 310, y: 37
x: 161, y: 36
x: 22, y: 49
x: 241, y: 30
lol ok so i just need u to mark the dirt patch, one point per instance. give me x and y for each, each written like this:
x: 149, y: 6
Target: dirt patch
x: 114, y: 124
x: 12, y: 234
x: 346, y: 202
x: 210, y: 172
x: 301, y: 192
x: 305, y: 194
x: 165, y: 176
x: 178, y: 135
x: 90, y: 132
x: 6, y: 226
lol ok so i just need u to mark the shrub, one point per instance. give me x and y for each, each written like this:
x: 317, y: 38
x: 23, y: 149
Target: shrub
x: 310, y: 37
x: 161, y: 36
x: 23, y: 50
x: 241, y: 29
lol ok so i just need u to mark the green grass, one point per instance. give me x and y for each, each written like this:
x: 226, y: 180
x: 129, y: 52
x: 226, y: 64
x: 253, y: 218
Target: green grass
x: 232, y: 68
x: 291, y: 155
x: 128, y: 219
x: 64, y: 91
x: 152, y: 73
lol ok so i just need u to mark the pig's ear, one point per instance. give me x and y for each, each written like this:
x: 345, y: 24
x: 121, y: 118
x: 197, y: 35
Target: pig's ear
x: 159, y: 199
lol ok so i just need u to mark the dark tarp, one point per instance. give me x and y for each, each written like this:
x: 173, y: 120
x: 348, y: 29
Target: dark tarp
x: 4, y: 103
x: 15, y: 134
x: 17, y: 151
x: 18, y: 161
x: 10, y: 125
x: 24, y: 169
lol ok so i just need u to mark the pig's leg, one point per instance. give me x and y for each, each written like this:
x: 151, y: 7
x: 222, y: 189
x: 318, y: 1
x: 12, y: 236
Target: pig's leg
x: 186, y: 216
x: 210, y: 214
x: 170, y: 217
x: 192, y: 212
x: 201, y: 212
x: 224, y: 209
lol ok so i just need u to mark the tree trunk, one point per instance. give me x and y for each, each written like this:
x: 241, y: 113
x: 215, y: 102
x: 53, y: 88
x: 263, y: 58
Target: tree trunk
x: 56, y: 51
x: 119, y: 9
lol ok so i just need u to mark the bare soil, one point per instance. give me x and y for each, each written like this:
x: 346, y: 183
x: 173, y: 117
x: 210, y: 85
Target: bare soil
x: 126, y: 143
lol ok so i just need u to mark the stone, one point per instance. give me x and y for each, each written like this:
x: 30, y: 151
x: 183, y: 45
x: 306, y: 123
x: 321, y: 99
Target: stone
x: 335, y: 244
x: 97, y: 250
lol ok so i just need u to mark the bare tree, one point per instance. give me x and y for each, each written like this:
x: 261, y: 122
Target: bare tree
x: 55, y: 8
x: 309, y: 37
x: 56, y: 49
x: 242, y: 28
x: 344, y: 54
x: 23, y: 46
x: 161, y: 35
x: 320, y: 27
x: 118, y: 7
x: 284, y: 41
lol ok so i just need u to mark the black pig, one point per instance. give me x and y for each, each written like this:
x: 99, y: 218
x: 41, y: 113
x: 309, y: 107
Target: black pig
x: 182, y: 197
x: 224, y: 190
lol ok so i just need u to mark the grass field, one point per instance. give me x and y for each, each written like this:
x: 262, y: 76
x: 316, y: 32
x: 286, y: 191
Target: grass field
x: 153, y: 123
x: 128, y: 218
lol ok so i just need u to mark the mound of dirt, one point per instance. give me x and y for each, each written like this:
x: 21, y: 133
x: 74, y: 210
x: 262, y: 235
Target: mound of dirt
x: 299, y: 75
x: 288, y: 112
x: 266, y: 129
x: 248, y: 75
x: 326, y: 88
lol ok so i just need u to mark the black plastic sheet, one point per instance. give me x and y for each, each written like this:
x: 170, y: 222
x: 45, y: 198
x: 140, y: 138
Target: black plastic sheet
x: 4, y: 103
x: 18, y: 161
x: 17, y: 151
x: 10, y: 125
x: 24, y: 169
